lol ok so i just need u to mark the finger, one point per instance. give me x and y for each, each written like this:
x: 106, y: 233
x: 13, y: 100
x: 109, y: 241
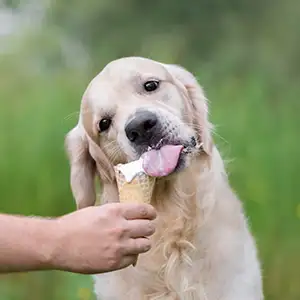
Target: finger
x: 139, y: 211
x: 140, y: 228
x: 137, y: 246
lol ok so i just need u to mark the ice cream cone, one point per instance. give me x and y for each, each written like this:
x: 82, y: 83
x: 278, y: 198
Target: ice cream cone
x: 139, y: 190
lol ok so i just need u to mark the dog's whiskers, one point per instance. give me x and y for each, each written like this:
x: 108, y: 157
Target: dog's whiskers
x: 159, y: 143
x: 109, y: 144
x: 115, y: 152
x: 113, y: 148
x: 199, y: 147
x: 69, y: 116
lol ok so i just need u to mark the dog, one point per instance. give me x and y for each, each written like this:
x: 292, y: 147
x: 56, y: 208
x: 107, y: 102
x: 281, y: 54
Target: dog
x: 202, y: 248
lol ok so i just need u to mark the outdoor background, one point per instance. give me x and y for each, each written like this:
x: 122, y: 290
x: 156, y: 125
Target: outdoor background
x: 246, y: 54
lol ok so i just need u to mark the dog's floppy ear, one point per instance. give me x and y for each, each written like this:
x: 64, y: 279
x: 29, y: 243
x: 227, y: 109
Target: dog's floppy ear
x: 87, y: 161
x: 197, y: 104
x: 83, y: 167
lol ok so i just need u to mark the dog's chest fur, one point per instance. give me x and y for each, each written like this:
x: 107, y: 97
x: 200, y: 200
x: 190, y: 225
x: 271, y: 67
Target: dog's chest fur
x: 165, y: 272
x: 202, y: 249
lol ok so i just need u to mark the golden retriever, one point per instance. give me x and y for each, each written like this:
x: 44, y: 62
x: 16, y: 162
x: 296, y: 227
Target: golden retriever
x: 202, y: 248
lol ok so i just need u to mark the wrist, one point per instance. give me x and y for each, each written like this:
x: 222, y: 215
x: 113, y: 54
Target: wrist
x: 58, y: 251
x: 49, y: 244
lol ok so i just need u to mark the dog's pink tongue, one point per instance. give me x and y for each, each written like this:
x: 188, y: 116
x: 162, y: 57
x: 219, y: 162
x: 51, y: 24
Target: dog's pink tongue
x: 162, y: 162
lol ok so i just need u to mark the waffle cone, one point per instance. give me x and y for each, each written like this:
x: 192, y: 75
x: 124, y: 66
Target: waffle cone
x: 139, y: 190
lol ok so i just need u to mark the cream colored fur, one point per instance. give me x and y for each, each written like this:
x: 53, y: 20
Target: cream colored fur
x: 202, y: 249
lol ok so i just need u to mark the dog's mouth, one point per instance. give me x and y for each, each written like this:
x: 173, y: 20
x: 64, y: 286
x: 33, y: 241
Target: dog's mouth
x: 166, y: 157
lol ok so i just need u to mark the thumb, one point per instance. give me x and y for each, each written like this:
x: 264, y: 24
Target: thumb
x: 128, y: 260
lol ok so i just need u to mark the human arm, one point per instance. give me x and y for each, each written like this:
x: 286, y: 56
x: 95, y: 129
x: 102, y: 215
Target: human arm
x: 26, y: 243
x: 91, y: 240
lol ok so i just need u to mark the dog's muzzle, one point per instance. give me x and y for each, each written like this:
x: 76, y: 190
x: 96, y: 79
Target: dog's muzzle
x: 157, y: 141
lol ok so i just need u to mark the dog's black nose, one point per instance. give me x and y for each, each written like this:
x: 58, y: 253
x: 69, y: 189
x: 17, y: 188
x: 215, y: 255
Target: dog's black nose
x: 141, y: 128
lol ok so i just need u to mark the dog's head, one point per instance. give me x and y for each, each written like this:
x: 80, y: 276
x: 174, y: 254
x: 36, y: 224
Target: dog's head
x: 133, y: 105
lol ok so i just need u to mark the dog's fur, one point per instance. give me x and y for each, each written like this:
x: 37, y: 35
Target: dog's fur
x: 202, y: 248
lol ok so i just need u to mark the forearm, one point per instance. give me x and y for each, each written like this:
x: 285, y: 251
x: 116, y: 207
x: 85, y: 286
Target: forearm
x: 26, y: 244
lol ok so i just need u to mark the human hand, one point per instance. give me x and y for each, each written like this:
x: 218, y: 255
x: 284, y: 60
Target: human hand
x: 103, y: 238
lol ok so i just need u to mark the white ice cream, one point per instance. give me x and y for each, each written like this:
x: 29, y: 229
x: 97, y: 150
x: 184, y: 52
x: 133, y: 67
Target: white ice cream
x: 131, y: 169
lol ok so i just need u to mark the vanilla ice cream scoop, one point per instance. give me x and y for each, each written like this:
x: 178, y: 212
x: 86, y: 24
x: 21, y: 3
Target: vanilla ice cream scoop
x: 134, y: 184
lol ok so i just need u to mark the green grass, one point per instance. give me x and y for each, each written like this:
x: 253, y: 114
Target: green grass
x: 257, y: 124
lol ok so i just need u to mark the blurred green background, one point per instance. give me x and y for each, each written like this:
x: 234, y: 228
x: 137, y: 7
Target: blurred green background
x: 246, y: 54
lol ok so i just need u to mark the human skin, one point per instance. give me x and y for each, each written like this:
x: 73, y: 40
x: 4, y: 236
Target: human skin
x: 88, y: 241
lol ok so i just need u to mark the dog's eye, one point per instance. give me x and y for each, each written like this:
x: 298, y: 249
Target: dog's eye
x: 104, y: 124
x: 151, y: 85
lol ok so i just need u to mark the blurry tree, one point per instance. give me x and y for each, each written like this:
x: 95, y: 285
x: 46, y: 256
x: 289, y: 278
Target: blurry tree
x: 193, y: 33
x: 189, y: 29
